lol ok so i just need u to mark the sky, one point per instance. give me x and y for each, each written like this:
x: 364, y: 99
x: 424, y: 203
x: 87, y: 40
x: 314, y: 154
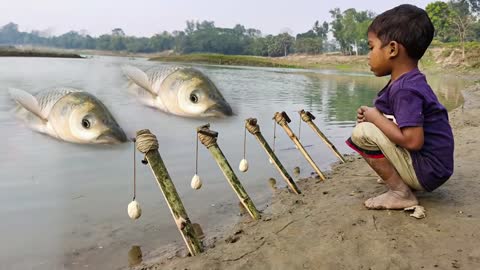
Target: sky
x: 148, y: 17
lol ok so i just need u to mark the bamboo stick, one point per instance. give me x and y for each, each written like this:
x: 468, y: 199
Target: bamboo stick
x: 254, y: 129
x: 209, y: 138
x: 307, y: 117
x: 282, y: 119
x: 168, y: 189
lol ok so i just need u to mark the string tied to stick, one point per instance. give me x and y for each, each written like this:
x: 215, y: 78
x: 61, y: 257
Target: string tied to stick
x: 206, y: 136
x: 134, y: 210
x: 243, y: 166
x: 196, y: 182
x: 146, y: 141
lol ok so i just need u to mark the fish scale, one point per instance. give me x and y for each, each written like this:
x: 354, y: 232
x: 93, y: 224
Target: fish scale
x: 160, y: 73
x: 46, y: 99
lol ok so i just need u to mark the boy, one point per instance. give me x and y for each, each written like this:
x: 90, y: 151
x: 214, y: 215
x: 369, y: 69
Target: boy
x: 406, y: 137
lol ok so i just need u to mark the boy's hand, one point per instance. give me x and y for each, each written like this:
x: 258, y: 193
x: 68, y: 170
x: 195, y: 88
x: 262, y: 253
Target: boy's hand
x: 370, y: 114
x: 360, y: 116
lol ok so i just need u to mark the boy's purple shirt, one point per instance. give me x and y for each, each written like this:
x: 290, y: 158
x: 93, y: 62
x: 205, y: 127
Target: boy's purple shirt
x: 413, y: 103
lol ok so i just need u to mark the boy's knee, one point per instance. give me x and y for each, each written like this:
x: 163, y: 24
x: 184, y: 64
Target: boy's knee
x: 362, y: 131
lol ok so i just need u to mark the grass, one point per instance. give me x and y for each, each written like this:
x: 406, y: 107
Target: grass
x: 220, y: 59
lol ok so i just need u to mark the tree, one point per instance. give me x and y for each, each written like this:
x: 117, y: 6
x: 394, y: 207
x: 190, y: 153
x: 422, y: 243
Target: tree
x: 311, y: 42
x: 350, y: 29
x: 321, y: 30
x: 286, y: 41
x: 9, y: 33
x: 253, y: 33
x: 118, y: 32
x: 258, y: 46
x: 474, y: 6
x: 337, y: 28
x: 439, y: 13
x: 190, y: 27
x: 476, y: 31
x: 103, y: 42
x: 161, y: 42
x: 462, y: 19
x: 239, y: 30
x: 309, y: 45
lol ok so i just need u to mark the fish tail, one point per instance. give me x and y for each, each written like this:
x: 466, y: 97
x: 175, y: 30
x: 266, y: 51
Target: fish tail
x: 137, y: 76
x: 27, y: 101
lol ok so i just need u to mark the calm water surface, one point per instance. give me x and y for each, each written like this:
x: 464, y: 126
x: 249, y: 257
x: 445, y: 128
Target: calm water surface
x: 64, y: 205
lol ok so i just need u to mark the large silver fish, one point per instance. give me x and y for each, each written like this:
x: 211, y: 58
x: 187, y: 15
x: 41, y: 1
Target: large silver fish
x: 68, y: 114
x: 182, y: 91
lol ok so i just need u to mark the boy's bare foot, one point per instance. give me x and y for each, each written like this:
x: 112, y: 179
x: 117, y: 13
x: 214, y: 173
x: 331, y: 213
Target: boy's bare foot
x: 392, y: 200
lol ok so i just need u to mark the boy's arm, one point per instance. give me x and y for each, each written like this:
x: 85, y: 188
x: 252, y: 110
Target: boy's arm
x: 410, y: 138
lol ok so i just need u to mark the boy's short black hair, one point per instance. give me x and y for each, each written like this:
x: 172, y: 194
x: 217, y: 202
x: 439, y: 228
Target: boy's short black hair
x: 407, y: 25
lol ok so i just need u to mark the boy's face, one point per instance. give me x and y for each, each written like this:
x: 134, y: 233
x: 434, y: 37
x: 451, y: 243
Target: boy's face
x: 379, y: 56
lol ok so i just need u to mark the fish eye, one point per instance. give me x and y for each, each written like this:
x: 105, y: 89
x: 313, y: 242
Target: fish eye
x: 193, y: 98
x: 85, y: 123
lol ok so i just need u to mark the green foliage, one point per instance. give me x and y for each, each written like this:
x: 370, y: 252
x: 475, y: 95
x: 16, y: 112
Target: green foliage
x: 205, y: 37
x: 309, y: 45
x: 350, y: 29
x: 455, y: 20
x: 462, y: 18
x: 197, y: 37
x: 312, y: 41
x: 439, y: 14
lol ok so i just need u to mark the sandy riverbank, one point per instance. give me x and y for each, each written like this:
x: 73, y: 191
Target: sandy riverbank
x: 327, y: 227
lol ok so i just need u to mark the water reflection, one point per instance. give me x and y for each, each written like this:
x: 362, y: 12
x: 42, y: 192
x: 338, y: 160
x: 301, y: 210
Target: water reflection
x: 272, y: 183
x: 134, y: 256
x: 337, y: 96
x: 448, y: 90
x: 296, y: 172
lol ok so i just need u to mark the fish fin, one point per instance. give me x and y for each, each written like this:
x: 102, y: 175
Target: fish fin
x: 138, y: 77
x: 27, y: 101
x: 143, y: 95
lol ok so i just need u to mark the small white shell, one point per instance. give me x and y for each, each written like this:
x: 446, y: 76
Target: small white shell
x: 196, y: 182
x: 419, y: 211
x: 243, y: 167
x: 270, y: 160
x: 134, y: 210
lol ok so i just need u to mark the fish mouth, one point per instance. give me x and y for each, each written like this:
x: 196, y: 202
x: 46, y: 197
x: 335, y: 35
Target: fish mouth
x: 220, y: 109
x: 112, y: 136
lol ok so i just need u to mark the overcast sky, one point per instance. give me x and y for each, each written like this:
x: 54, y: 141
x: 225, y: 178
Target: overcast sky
x: 147, y: 17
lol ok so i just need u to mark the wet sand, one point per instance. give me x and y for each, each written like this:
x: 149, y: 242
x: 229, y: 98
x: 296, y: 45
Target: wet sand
x: 327, y: 226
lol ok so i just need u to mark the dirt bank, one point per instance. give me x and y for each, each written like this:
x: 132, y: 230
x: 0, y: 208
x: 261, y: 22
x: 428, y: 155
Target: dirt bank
x: 327, y: 227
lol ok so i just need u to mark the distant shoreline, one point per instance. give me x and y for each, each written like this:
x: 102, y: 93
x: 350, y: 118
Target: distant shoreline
x: 299, y: 61
x: 437, y: 58
x: 14, y: 52
x: 229, y: 60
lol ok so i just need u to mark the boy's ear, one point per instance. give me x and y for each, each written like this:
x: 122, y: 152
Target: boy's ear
x: 393, y: 48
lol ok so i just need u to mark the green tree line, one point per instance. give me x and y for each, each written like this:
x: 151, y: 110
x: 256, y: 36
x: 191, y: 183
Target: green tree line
x: 455, y: 20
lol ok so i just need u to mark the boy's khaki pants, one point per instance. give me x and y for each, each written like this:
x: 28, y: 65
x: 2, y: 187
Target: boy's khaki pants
x: 368, y: 140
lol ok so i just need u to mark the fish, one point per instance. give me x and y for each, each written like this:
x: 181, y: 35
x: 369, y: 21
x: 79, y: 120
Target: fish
x: 68, y: 114
x: 177, y: 90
